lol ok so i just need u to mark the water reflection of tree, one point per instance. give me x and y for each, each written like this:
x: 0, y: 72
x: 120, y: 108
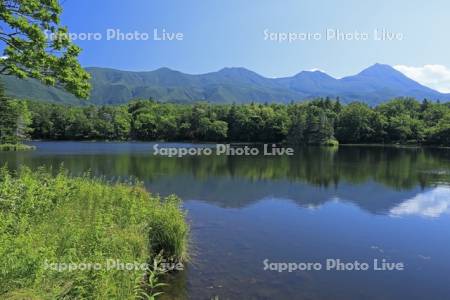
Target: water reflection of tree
x: 398, y: 168
x: 374, y: 178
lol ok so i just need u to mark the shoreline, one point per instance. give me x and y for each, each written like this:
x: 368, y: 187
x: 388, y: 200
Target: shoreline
x: 387, y: 145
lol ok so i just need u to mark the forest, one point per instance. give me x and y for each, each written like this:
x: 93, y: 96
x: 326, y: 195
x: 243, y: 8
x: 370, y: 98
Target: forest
x: 316, y: 122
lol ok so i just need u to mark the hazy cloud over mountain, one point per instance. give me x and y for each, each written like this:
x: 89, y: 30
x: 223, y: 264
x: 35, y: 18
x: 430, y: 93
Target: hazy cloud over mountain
x: 434, y: 76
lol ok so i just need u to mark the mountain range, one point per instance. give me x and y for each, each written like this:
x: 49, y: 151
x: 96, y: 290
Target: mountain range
x: 373, y: 85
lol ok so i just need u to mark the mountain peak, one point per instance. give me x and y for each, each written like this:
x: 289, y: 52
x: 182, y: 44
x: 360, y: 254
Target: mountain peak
x: 379, y: 70
x: 242, y: 74
x: 165, y: 69
x: 314, y: 74
x: 236, y: 71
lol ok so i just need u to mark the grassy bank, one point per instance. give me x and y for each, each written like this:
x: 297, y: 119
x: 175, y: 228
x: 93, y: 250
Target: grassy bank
x: 48, y: 222
x: 16, y: 147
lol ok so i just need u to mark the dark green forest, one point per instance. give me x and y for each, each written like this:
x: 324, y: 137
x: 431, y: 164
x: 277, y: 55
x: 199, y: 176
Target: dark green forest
x: 316, y: 122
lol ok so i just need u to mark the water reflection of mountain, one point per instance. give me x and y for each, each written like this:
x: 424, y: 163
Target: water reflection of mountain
x: 238, y: 192
x: 375, y: 178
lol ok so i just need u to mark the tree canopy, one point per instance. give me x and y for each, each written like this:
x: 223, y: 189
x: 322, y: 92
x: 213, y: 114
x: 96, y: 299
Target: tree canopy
x: 14, y: 120
x: 317, y: 122
x: 35, y: 45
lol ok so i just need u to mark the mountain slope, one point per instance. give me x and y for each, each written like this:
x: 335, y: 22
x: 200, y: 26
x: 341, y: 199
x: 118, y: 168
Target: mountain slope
x: 312, y: 83
x: 373, y: 85
x: 32, y: 89
x: 225, y: 86
x: 380, y: 82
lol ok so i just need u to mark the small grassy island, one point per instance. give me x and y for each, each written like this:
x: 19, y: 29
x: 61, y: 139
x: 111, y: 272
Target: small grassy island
x: 49, y: 224
x: 16, y: 147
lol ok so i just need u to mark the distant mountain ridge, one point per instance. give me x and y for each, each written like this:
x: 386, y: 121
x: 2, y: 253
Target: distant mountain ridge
x: 373, y: 85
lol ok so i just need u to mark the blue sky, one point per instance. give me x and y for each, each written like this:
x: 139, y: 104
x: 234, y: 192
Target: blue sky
x: 227, y: 33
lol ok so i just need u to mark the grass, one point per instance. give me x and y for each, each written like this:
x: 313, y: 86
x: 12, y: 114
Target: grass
x: 16, y: 147
x: 47, y: 220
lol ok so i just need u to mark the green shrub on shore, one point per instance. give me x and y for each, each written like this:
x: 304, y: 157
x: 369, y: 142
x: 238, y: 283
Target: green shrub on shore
x: 16, y: 147
x: 51, y: 221
x: 331, y: 143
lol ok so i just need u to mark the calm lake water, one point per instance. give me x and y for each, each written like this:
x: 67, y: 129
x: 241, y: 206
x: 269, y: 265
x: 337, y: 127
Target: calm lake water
x: 352, y: 204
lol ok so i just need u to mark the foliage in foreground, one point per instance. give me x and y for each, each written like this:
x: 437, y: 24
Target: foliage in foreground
x: 49, y: 219
x: 35, y: 45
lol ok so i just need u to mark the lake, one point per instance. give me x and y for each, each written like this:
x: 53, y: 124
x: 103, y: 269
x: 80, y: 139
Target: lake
x: 250, y: 216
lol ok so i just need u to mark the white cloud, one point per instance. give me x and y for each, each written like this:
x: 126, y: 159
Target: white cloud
x: 434, y: 76
x: 430, y: 204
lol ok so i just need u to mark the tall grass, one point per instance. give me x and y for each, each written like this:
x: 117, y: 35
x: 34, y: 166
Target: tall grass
x: 47, y: 219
